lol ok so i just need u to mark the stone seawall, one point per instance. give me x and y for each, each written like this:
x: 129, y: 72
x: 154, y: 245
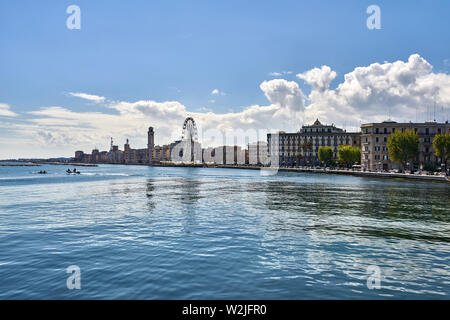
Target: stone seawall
x: 350, y: 172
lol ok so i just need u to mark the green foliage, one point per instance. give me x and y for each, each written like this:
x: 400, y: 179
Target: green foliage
x: 403, y: 146
x: 326, y: 155
x: 430, y: 166
x: 349, y: 155
x: 441, y: 144
x: 307, y: 145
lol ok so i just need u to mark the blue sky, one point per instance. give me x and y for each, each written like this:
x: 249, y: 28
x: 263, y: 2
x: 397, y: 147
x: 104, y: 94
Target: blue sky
x: 182, y: 50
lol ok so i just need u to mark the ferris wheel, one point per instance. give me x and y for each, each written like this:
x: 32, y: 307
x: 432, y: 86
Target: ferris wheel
x: 189, y: 130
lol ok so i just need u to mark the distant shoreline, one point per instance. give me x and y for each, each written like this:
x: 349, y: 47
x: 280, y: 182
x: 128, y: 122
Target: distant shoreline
x: 19, y: 165
x: 367, y: 174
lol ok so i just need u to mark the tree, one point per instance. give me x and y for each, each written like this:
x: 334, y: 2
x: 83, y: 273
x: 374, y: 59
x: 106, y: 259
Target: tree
x: 441, y: 144
x: 307, y: 146
x: 299, y: 157
x: 326, y: 155
x: 349, y: 155
x: 403, y: 146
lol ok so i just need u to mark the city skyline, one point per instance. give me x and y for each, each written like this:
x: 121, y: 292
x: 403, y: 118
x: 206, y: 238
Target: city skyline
x: 67, y: 89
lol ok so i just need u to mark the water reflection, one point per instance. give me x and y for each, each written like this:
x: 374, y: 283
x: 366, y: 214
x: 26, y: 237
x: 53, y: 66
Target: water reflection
x: 346, y: 228
x: 150, y: 185
x: 226, y: 234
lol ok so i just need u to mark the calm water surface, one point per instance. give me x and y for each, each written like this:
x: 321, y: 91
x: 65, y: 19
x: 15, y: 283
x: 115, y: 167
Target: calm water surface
x: 141, y: 232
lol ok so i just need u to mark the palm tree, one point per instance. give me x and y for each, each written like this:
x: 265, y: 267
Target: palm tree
x: 307, y: 146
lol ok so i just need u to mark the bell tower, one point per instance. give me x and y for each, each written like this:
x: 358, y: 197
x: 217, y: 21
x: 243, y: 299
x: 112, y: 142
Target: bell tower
x: 150, y: 144
x: 151, y: 138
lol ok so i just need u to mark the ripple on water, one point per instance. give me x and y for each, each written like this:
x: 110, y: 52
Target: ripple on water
x: 178, y: 233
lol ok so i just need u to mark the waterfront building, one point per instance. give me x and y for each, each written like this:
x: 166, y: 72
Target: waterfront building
x: 160, y: 153
x: 79, y: 156
x: 239, y: 155
x: 374, y: 138
x: 257, y: 153
x: 231, y: 155
x: 114, y: 155
x: 152, y: 154
x: 208, y: 155
x: 302, y: 147
x: 219, y: 155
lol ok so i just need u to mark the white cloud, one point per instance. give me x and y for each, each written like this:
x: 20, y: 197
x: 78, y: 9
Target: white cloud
x: 59, y: 131
x: 399, y: 89
x: 90, y: 97
x: 367, y: 94
x: 5, y: 110
x: 319, y: 79
x: 217, y: 92
x: 286, y: 94
x: 279, y: 74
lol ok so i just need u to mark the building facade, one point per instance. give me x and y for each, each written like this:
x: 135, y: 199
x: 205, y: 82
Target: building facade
x: 302, y: 147
x: 257, y: 153
x: 374, y: 138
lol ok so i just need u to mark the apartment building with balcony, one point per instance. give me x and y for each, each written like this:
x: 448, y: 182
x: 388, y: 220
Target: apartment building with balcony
x: 374, y: 138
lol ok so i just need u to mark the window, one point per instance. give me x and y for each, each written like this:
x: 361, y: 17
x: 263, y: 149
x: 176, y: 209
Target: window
x: 376, y: 139
x: 385, y: 139
x: 385, y: 130
x: 377, y: 130
x: 393, y: 130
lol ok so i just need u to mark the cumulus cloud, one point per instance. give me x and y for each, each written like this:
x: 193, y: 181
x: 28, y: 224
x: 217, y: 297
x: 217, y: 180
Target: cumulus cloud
x: 367, y: 94
x: 319, y: 79
x: 401, y: 90
x: 284, y: 93
x: 90, y: 97
x: 5, y: 110
x: 58, y: 130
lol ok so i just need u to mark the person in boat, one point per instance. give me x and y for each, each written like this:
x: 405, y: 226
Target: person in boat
x: 68, y: 171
